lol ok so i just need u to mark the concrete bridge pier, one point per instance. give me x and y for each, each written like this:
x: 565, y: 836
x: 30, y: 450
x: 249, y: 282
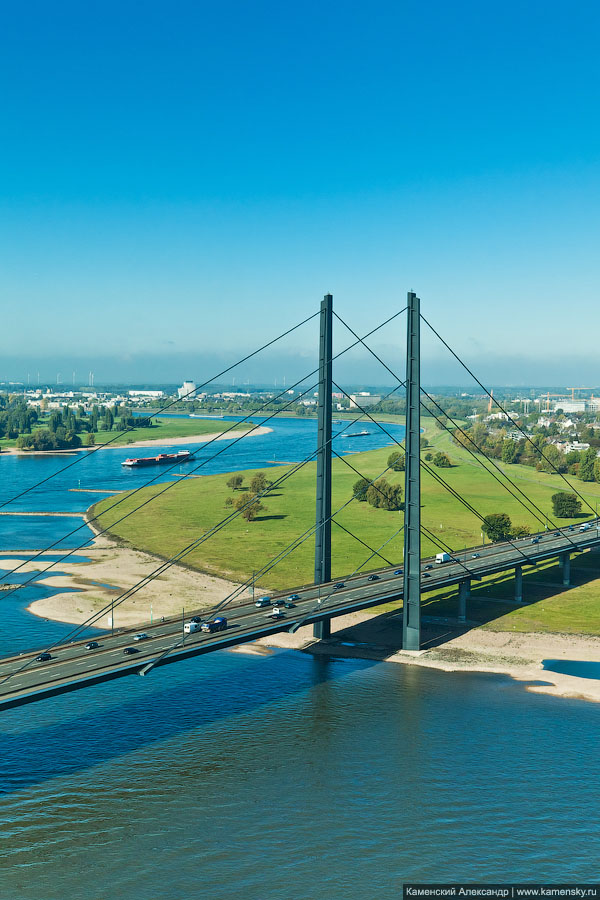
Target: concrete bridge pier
x: 322, y: 630
x: 518, y: 584
x: 565, y: 561
x: 464, y: 592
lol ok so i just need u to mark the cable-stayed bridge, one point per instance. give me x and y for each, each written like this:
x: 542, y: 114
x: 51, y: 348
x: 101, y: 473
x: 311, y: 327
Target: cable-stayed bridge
x: 70, y: 666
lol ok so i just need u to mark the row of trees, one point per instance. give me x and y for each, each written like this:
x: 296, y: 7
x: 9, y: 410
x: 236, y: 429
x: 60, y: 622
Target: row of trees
x: 249, y: 502
x: 64, y: 426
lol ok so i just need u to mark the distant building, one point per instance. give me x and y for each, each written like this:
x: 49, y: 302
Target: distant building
x: 569, y: 406
x: 148, y: 394
x: 364, y: 399
x: 187, y: 391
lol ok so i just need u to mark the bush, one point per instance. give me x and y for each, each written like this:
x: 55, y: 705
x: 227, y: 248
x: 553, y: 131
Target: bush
x: 442, y: 461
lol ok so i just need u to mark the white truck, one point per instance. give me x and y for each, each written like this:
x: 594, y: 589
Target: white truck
x: 442, y: 558
x: 190, y: 627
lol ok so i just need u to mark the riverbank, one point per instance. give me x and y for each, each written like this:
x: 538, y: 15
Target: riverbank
x: 86, y: 588
x: 149, y: 442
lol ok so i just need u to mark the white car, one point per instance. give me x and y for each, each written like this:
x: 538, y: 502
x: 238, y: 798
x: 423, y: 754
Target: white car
x: 142, y: 636
x: 275, y: 613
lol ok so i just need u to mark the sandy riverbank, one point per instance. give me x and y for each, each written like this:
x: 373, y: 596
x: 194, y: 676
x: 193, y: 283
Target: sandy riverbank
x: 89, y: 587
x: 156, y: 442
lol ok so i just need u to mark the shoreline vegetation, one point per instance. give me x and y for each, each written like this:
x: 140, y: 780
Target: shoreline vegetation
x: 159, y: 441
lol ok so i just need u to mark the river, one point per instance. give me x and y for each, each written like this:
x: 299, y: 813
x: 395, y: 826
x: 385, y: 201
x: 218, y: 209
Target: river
x: 277, y: 775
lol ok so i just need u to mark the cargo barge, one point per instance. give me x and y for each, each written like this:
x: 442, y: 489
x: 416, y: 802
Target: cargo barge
x: 161, y: 459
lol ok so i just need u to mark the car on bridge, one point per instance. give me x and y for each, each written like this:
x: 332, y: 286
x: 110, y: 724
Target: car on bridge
x: 142, y: 636
x: 293, y: 598
x: 398, y: 571
x: 373, y: 578
x: 129, y: 650
x: 219, y: 623
x: 276, y: 612
x: 263, y: 601
x: 43, y: 657
x: 475, y: 556
x: 91, y: 645
x: 338, y: 585
x: 535, y: 540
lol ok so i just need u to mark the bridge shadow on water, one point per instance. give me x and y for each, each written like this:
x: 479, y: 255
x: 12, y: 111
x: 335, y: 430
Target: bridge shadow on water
x: 43, y: 741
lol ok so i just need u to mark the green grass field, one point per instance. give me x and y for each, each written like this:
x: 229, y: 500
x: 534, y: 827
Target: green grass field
x: 193, y: 506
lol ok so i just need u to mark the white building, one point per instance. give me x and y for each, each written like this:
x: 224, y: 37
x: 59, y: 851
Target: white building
x: 150, y: 395
x: 187, y: 391
x: 364, y: 399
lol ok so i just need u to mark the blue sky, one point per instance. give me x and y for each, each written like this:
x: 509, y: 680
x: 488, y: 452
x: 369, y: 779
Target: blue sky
x: 180, y: 181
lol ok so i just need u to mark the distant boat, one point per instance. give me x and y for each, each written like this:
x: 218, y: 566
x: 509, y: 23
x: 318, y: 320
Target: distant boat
x: 160, y: 460
x: 356, y: 434
x: 197, y: 416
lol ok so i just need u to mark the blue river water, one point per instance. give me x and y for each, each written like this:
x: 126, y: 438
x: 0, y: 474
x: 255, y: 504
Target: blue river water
x: 279, y: 776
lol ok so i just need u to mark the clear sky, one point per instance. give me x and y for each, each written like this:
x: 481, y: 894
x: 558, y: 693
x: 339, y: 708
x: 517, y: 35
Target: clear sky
x: 179, y: 181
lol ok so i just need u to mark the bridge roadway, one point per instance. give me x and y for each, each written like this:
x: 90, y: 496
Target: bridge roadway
x: 73, y: 667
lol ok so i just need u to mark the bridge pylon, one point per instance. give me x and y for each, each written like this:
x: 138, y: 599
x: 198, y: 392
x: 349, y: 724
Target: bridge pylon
x: 411, y: 616
x: 322, y: 629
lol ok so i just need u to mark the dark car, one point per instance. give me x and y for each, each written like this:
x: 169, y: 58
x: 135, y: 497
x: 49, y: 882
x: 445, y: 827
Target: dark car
x: 288, y: 604
x: 43, y: 657
x: 219, y: 623
x: 398, y: 571
x: 338, y: 585
x: 293, y: 597
x: 428, y: 567
x: 535, y: 540
x: 475, y: 556
x: 373, y: 578
x: 426, y: 575
x: 196, y: 619
x: 91, y: 645
x: 129, y: 650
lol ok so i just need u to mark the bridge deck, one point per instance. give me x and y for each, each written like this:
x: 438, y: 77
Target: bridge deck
x: 72, y: 667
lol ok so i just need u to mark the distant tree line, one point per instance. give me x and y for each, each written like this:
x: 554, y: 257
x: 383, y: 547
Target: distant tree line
x: 535, y: 452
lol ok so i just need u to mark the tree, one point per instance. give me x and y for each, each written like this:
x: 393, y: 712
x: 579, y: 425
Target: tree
x: 552, y: 460
x: 235, y: 482
x: 90, y: 440
x: 360, y: 488
x: 497, y: 526
x: 586, y: 464
x: 442, y: 461
x: 509, y: 451
x: 519, y: 531
x: 249, y: 505
x: 566, y: 506
x: 597, y: 469
x: 384, y: 495
x: 396, y: 461
x: 258, y: 483
x: 423, y: 443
